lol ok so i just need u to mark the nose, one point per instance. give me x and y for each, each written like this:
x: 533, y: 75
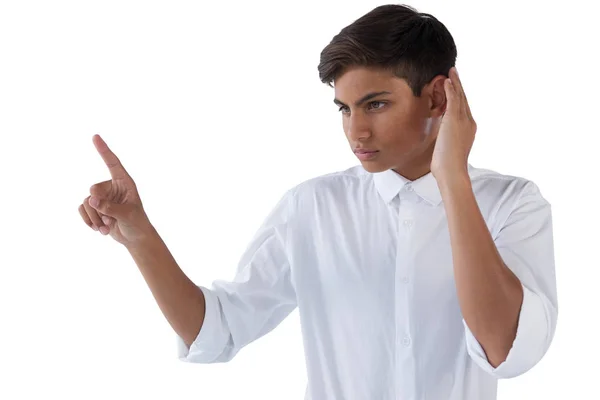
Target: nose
x: 357, y: 128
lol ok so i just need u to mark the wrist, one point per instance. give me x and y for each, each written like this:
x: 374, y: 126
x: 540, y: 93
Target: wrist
x: 453, y: 179
x: 147, y: 236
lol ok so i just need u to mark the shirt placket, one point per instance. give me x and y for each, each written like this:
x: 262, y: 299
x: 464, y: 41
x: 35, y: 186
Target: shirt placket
x: 405, y: 361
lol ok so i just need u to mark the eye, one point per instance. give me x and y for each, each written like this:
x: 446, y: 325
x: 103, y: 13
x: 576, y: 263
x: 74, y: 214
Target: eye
x: 343, y: 109
x: 380, y: 103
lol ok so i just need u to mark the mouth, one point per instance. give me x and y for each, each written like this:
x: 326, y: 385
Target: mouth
x: 365, y: 155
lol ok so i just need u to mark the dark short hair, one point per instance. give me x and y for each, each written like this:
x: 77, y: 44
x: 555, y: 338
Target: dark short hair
x: 414, y: 46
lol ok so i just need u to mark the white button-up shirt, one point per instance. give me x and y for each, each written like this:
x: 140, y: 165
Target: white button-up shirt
x: 367, y: 260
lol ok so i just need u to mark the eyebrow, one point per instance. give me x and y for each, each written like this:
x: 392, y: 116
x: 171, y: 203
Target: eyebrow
x: 362, y: 99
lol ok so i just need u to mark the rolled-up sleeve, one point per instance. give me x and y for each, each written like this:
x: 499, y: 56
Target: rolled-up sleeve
x: 525, y: 243
x: 259, y: 297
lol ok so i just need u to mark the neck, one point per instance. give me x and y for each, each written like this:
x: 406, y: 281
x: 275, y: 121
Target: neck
x: 417, y: 167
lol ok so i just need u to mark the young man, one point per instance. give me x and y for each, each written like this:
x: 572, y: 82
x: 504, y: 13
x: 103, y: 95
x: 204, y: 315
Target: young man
x: 415, y: 274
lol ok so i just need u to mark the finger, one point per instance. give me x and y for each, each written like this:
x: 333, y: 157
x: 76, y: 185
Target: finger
x: 457, y: 82
x: 105, y: 207
x: 108, y: 224
x: 464, y: 103
x: 451, y: 97
x: 101, y: 189
x: 92, y: 213
x: 86, y: 217
x: 107, y: 220
x: 117, y: 171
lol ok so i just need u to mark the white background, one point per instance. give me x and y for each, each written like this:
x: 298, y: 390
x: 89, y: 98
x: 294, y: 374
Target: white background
x: 216, y: 110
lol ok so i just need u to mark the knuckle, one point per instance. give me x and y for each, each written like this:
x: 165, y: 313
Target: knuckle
x: 95, y: 189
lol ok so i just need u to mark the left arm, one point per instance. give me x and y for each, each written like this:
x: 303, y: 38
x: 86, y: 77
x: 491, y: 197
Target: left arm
x: 489, y: 293
x: 506, y: 282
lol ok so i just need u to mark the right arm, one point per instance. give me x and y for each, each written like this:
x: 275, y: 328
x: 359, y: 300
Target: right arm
x: 214, y: 324
x: 179, y: 299
x: 115, y: 208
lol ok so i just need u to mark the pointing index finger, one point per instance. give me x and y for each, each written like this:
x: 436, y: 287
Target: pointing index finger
x: 110, y: 159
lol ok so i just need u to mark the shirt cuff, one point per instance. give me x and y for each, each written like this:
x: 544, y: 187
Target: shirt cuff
x: 209, y: 343
x: 529, y: 345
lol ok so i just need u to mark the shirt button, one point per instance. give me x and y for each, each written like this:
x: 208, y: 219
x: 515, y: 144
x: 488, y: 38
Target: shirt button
x: 405, y: 279
x: 406, y: 341
x: 408, y: 223
x: 409, y: 188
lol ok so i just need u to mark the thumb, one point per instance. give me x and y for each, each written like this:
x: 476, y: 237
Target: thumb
x: 102, y: 189
x: 104, y: 206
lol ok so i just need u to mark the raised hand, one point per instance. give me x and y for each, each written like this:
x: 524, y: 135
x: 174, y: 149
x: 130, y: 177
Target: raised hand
x: 114, y: 207
x: 457, y: 132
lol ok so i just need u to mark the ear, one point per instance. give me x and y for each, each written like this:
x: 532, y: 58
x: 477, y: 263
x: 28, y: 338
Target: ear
x: 437, y: 96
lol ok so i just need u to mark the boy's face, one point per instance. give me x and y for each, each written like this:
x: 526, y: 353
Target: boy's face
x: 391, y: 121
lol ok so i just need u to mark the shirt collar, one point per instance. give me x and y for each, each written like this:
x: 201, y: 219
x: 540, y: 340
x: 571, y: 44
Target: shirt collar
x: 389, y: 184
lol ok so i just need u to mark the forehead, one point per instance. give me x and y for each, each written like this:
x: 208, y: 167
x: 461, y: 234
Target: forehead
x: 358, y: 81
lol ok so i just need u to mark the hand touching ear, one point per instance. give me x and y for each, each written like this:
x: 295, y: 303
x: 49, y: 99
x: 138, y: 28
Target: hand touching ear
x: 457, y: 131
